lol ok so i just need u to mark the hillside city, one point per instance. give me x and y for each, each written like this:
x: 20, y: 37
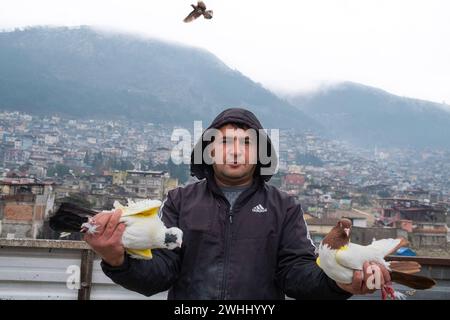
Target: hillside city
x: 46, y: 160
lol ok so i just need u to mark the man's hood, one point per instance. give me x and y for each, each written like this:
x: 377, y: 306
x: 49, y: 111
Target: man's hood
x: 242, y: 116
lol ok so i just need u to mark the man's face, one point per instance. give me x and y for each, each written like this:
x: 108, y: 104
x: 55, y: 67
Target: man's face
x: 235, y: 153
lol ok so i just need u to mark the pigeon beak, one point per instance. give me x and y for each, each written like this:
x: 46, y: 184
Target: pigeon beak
x: 347, y: 231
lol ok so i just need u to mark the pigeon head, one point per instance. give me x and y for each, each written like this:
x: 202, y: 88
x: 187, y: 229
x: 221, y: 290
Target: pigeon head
x: 173, y: 238
x: 208, y: 14
x: 339, y: 236
x: 344, y: 226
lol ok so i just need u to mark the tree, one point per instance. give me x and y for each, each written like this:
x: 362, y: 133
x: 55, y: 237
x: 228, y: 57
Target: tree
x: 86, y: 159
x: 384, y: 194
x: 364, y: 200
x: 180, y: 171
x: 97, y: 163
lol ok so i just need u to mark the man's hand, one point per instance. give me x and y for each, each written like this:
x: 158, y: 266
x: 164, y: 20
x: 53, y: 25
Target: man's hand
x: 107, y: 241
x: 368, y: 280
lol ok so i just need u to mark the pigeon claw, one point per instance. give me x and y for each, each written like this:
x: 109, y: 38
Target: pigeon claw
x: 388, y: 291
x: 89, y: 228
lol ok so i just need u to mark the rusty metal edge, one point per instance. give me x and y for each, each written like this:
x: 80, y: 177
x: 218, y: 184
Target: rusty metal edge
x: 44, y: 243
x: 87, y: 263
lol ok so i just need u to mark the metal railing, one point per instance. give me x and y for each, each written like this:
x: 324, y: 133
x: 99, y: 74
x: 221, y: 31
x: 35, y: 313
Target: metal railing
x: 38, y: 269
x: 55, y: 269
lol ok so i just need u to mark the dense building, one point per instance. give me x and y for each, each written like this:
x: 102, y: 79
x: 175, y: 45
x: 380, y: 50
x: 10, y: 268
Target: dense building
x: 145, y: 184
x: 426, y: 224
x: 24, y: 205
x: 92, y: 160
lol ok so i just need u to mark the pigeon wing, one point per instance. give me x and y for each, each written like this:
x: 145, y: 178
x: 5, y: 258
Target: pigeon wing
x: 328, y: 263
x: 192, y: 16
x: 354, y: 255
x: 389, y: 246
x: 142, y: 232
x: 142, y: 208
x: 201, y: 5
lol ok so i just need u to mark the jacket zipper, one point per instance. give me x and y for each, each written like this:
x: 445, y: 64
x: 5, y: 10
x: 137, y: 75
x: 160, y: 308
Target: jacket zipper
x: 228, y: 232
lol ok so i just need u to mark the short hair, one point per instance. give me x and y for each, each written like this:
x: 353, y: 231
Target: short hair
x: 238, y: 125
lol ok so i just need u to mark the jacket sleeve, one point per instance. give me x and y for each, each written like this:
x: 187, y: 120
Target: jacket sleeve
x: 298, y: 274
x: 149, y: 277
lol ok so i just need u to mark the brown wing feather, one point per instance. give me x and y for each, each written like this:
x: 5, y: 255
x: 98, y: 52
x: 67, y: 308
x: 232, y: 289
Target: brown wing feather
x: 192, y: 16
x: 201, y: 4
x: 405, y: 266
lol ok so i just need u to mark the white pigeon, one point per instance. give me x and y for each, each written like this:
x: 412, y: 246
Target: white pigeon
x: 339, y: 258
x: 144, y: 229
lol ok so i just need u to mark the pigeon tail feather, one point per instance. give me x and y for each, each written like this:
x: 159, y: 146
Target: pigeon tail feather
x: 412, y: 280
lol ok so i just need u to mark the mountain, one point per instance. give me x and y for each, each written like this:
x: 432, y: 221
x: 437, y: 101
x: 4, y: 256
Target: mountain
x: 369, y: 116
x: 82, y: 72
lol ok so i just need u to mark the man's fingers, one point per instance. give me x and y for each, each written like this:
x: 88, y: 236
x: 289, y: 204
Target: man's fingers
x: 357, y: 281
x: 386, y: 274
x: 112, y: 224
x: 380, y: 274
x: 370, y: 281
x: 102, y: 215
x: 370, y: 278
x: 118, y: 233
x: 87, y: 237
x: 368, y: 271
x: 367, y: 290
x: 101, y: 221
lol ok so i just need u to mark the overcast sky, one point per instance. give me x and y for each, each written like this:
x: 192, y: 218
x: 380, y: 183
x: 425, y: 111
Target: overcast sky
x: 402, y: 46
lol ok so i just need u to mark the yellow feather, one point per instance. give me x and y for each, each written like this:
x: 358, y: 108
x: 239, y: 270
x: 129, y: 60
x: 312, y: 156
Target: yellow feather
x: 343, y: 248
x: 318, y: 261
x: 145, y: 254
x: 148, y: 212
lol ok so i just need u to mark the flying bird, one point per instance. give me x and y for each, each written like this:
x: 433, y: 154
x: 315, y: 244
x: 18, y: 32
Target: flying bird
x: 199, y: 9
x: 144, y: 229
x: 339, y: 258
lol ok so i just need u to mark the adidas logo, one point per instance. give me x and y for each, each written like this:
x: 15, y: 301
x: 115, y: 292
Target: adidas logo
x: 259, y: 208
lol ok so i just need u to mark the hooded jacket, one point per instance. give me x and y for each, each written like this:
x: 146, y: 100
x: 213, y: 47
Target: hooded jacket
x: 259, y: 249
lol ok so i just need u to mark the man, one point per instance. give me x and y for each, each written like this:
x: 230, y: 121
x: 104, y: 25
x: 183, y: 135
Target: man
x: 243, y: 238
